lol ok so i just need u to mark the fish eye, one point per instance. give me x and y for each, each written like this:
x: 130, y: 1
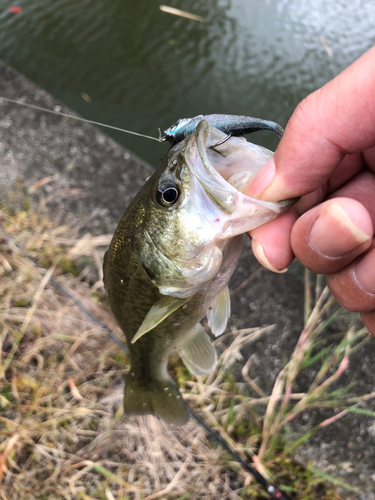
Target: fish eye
x: 167, y: 194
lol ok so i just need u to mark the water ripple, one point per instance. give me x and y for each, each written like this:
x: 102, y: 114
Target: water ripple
x: 144, y: 69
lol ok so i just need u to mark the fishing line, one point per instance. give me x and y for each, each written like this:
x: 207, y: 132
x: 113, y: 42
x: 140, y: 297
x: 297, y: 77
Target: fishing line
x: 66, y: 115
x: 271, y: 490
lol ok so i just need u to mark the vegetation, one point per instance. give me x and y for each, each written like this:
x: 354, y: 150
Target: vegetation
x: 63, y: 434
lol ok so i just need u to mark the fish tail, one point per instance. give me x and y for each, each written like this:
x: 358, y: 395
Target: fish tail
x: 160, y: 398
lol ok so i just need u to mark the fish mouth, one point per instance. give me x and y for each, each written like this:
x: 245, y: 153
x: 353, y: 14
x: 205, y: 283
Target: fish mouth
x: 225, y: 166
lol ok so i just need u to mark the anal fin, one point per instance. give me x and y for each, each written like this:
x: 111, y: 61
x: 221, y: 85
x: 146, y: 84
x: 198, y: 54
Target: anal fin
x: 219, y: 313
x: 197, y: 352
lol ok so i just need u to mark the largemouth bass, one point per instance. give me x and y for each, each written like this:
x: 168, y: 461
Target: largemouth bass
x: 171, y: 258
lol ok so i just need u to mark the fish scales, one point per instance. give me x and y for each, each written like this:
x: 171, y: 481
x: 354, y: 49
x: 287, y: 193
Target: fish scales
x: 170, y: 261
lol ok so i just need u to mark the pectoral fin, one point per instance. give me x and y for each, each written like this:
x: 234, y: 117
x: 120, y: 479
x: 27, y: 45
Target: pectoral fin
x: 197, y: 352
x: 219, y: 313
x: 158, y: 312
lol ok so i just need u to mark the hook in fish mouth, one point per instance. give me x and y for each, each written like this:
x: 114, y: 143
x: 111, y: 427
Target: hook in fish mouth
x: 221, y: 142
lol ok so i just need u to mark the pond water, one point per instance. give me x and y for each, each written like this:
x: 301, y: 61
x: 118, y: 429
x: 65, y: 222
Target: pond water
x: 143, y: 69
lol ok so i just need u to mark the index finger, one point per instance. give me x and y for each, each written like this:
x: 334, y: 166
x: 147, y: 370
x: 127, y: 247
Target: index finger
x: 336, y: 120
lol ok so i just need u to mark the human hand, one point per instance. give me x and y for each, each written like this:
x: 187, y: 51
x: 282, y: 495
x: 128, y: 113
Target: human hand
x: 327, y: 156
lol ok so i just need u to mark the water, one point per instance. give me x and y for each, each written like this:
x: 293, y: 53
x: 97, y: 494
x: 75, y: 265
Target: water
x: 144, y: 69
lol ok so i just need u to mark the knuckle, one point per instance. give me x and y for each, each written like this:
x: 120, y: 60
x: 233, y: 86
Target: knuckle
x: 306, y: 112
x: 347, y: 293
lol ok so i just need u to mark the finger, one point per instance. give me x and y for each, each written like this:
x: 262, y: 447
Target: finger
x: 368, y: 319
x: 271, y: 242
x: 310, y: 200
x: 336, y: 120
x: 335, y: 247
x: 330, y: 236
x: 362, y: 189
x: 369, y: 158
x: 348, y: 168
x: 354, y: 286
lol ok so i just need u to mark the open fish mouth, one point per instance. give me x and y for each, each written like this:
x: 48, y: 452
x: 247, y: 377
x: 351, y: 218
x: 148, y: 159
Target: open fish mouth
x: 224, y: 168
x: 212, y: 173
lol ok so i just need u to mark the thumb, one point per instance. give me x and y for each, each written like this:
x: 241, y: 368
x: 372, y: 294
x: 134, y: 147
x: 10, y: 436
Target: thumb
x: 336, y: 120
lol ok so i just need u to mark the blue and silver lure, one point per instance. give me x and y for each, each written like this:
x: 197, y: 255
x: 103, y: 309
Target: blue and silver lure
x: 232, y: 125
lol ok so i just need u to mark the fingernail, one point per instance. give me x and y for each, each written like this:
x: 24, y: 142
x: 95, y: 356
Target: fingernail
x: 259, y: 254
x: 334, y: 233
x: 364, y: 273
x: 262, y: 180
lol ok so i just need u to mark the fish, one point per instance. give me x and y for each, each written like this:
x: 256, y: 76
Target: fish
x: 171, y: 257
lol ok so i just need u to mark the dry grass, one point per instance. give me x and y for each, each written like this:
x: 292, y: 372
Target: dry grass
x: 63, y: 434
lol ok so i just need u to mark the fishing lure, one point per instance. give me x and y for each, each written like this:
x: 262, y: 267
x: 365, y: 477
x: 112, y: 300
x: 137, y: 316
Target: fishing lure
x: 232, y: 125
